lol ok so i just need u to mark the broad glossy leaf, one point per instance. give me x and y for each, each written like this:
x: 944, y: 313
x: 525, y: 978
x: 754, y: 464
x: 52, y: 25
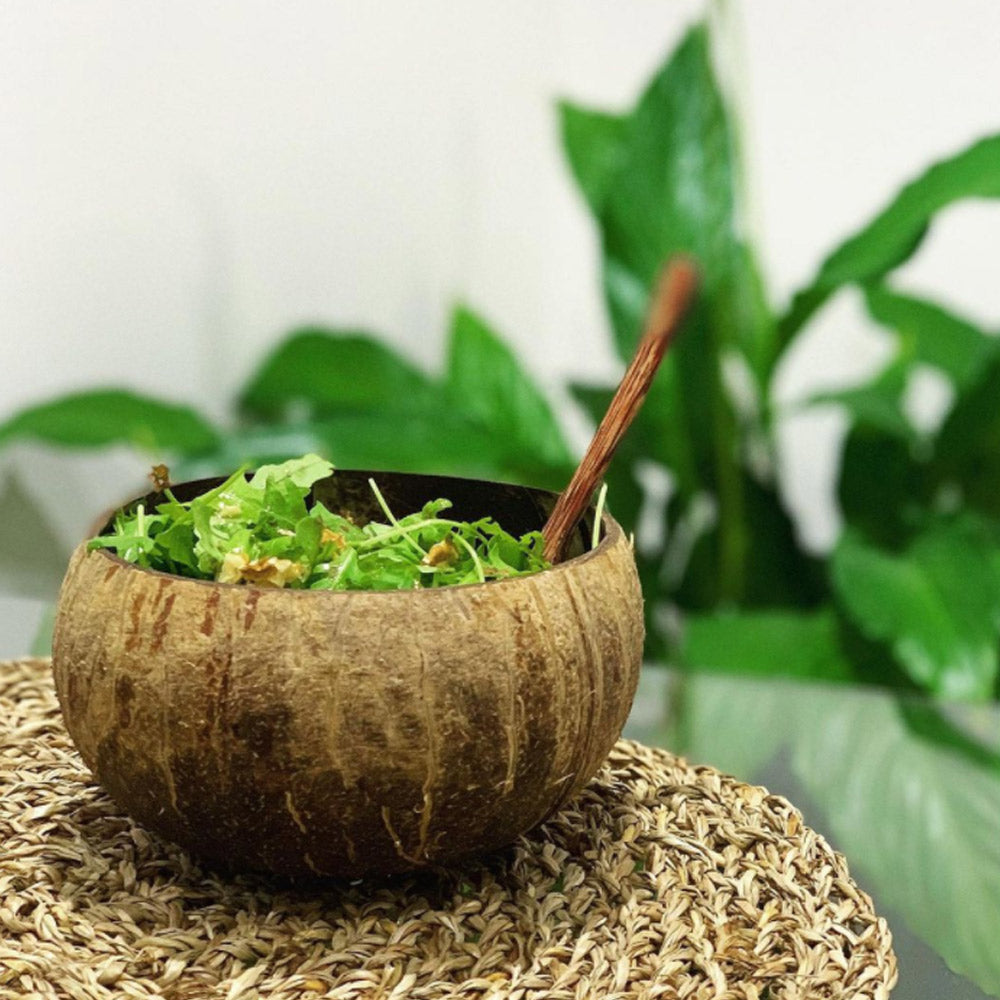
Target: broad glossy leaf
x: 427, y: 441
x: 780, y: 573
x: 910, y: 796
x: 593, y: 142
x: 967, y: 448
x: 651, y: 439
x: 896, y: 232
x: 326, y: 371
x: 252, y: 446
x: 772, y: 569
x: 926, y: 335
x: 931, y: 335
x: 877, y: 403
x: 32, y: 555
x: 113, y: 416
x: 882, y: 487
x: 937, y: 604
x: 766, y: 643
x: 41, y: 644
x: 486, y: 383
x: 674, y: 189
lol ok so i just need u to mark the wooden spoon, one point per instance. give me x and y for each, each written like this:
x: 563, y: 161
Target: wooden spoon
x: 674, y: 292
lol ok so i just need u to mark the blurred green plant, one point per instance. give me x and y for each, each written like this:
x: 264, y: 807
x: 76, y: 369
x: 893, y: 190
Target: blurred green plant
x: 910, y: 595
x: 908, y: 789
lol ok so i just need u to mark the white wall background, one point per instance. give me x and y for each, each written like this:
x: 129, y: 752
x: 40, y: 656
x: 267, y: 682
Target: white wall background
x: 182, y: 182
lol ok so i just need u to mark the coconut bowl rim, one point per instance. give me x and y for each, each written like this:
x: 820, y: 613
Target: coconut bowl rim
x: 612, y: 534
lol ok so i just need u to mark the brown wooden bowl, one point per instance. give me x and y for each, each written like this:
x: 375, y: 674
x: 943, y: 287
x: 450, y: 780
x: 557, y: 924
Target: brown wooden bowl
x: 348, y: 733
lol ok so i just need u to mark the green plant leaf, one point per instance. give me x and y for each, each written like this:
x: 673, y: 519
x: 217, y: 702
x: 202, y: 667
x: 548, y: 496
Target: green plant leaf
x: 653, y: 435
x: 662, y: 180
x: 896, y: 232
x: 910, y: 795
x: 112, y: 416
x: 434, y: 442
x: 926, y: 334
x: 487, y: 384
x: 254, y: 446
x: 325, y: 371
x: 32, y: 555
x: 883, y: 485
x: 593, y: 142
x: 421, y: 441
x: 357, y: 402
x: 931, y: 335
x: 877, y: 403
x: 780, y: 573
x: 300, y: 471
x: 766, y: 643
x: 937, y: 604
x: 674, y: 189
x: 261, y: 530
x: 967, y: 447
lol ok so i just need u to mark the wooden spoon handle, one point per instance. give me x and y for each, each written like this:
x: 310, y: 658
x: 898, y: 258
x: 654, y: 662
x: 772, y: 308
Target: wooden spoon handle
x: 673, y: 295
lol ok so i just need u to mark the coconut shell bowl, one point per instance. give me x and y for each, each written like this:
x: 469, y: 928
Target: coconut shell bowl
x: 319, y: 733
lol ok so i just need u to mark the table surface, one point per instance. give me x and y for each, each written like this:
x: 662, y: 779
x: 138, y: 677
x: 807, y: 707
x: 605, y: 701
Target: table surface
x: 923, y: 971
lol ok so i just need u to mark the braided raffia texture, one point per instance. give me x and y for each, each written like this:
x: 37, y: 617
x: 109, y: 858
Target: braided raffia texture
x: 660, y: 880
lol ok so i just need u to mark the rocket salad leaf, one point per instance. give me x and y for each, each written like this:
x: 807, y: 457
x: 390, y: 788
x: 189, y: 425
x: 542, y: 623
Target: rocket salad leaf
x: 262, y: 531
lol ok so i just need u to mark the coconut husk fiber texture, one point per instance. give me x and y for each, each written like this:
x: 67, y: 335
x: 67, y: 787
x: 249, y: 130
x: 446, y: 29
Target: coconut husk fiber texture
x: 661, y: 879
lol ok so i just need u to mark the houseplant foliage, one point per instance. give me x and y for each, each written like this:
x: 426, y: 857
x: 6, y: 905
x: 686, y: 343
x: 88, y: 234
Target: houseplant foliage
x: 909, y: 596
x: 889, y: 605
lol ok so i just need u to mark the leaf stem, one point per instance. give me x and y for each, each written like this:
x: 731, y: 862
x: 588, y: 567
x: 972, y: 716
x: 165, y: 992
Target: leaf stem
x: 405, y: 532
x: 598, y: 514
x: 480, y: 573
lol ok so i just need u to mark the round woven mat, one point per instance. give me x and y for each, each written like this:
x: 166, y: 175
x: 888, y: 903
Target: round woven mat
x: 661, y: 880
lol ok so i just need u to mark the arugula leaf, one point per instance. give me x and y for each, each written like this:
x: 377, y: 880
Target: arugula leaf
x: 259, y: 531
x: 112, y: 416
x: 301, y: 472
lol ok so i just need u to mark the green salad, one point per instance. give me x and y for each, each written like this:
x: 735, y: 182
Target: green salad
x: 263, y: 531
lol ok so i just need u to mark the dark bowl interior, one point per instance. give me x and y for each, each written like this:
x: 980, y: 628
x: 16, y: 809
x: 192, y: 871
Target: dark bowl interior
x: 518, y: 509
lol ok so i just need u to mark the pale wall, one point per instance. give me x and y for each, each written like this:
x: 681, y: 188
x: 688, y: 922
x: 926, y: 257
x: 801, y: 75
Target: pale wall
x: 182, y: 182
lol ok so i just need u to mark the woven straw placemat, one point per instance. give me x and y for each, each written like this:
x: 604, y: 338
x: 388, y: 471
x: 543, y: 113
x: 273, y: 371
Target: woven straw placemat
x: 661, y: 879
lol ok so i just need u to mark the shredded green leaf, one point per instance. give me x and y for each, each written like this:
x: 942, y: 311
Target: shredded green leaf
x: 598, y: 515
x: 262, y: 531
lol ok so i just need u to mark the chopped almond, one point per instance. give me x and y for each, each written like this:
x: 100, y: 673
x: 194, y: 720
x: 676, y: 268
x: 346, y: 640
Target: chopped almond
x: 269, y: 572
x: 441, y: 553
